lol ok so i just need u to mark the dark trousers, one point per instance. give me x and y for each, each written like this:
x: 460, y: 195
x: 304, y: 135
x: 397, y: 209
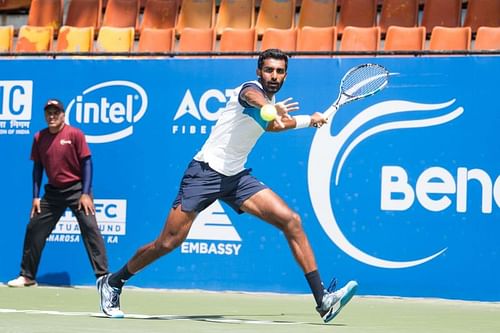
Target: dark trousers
x: 52, y: 205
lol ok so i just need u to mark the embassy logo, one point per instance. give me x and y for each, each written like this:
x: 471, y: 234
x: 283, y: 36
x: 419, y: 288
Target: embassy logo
x: 328, y: 154
x: 16, y: 98
x: 212, y: 233
x: 107, y: 111
x: 111, y: 215
x: 191, y: 115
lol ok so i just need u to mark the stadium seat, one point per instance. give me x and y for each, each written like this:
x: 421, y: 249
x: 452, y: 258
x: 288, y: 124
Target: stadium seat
x: 317, y: 13
x: 450, y: 39
x: 238, y: 40
x: 14, y: 5
x: 199, y: 14
x: 197, y: 40
x: 444, y: 13
x: 487, y: 38
x: 482, y: 13
x: 284, y: 39
x: 360, y: 39
x: 75, y: 39
x: 238, y: 14
x: 84, y: 13
x: 156, y: 40
x: 404, y: 39
x: 160, y: 14
x: 115, y: 39
x: 121, y: 14
x: 6, y: 38
x: 46, y: 13
x: 357, y: 13
x: 34, y: 39
x: 278, y: 14
x: 403, y: 13
x: 316, y: 39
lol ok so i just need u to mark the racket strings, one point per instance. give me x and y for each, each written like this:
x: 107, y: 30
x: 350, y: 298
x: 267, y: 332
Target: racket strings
x: 364, y: 80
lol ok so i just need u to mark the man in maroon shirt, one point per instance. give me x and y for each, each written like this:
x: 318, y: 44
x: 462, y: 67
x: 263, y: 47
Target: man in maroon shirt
x: 64, y: 154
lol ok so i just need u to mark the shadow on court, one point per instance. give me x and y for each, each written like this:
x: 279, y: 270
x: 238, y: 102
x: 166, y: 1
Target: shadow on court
x: 222, y: 319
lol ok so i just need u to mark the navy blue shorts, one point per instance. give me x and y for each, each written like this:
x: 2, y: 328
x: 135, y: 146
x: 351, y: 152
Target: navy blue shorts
x: 201, y: 186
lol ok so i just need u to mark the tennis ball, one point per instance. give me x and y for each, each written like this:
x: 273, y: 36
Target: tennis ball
x: 268, y: 112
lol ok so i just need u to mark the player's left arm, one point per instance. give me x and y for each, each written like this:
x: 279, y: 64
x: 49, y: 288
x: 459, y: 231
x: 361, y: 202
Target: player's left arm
x: 86, y: 203
x: 297, y: 122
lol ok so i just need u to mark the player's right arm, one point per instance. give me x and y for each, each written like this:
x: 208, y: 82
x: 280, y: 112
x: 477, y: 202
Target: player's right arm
x: 37, y: 182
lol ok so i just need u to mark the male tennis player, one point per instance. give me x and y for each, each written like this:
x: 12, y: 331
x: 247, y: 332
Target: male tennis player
x: 218, y: 172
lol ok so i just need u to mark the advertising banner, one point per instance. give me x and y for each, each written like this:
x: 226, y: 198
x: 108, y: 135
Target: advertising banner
x: 399, y: 191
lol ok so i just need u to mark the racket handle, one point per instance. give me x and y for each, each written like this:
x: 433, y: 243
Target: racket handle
x: 328, y: 113
x: 331, y: 110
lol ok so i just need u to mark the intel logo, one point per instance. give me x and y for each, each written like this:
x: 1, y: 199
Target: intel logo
x: 107, y: 111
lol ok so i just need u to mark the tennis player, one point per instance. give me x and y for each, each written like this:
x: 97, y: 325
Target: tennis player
x: 218, y: 172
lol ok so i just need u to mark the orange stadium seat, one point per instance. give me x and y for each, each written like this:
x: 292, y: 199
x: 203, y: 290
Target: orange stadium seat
x: 34, y: 39
x: 115, y: 39
x: 316, y: 39
x: 444, y: 13
x: 357, y: 13
x: 404, y: 39
x: 450, y: 39
x: 75, y: 39
x: 121, y: 14
x: 284, y: 39
x: 11, y: 5
x: 197, y: 40
x: 199, y: 14
x: 317, y: 13
x: 360, y: 39
x: 160, y: 14
x: 6, y: 38
x: 482, y: 13
x: 278, y: 14
x: 403, y: 13
x: 84, y: 13
x: 156, y: 40
x: 238, y: 40
x: 239, y: 14
x: 46, y: 13
x: 487, y: 38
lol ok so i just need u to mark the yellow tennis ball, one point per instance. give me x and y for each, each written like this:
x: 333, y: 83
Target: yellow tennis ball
x: 268, y: 112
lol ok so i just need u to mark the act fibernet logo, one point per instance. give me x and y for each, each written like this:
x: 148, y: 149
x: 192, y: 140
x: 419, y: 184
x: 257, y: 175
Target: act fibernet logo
x: 111, y: 216
x: 402, y: 190
x: 196, y: 114
x: 212, y: 233
x: 16, y: 99
x: 108, y: 111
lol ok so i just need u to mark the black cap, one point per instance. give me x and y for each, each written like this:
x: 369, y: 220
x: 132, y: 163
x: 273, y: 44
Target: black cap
x: 54, y: 103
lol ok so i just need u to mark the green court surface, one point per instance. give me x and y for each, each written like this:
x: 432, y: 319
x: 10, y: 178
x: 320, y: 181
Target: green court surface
x: 54, y: 309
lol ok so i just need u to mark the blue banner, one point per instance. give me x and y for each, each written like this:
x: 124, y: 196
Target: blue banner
x: 400, y: 191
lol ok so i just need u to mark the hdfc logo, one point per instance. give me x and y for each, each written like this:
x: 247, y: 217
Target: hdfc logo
x: 16, y: 98
x: 107, y: 111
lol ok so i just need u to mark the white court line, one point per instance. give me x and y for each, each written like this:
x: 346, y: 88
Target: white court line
x: 207, y: 318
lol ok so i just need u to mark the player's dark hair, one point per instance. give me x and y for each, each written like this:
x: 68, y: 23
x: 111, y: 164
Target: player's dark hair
x: 272, y: 54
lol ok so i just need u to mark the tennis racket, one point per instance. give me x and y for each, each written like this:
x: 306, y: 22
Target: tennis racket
x: 359, y: 82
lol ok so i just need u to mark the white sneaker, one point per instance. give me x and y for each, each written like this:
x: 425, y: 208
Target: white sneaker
x: 334, y: 301
x: 109, y: 298
x: 21, y: 281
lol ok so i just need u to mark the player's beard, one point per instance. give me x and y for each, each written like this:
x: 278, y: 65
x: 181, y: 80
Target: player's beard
x: 273, y: 86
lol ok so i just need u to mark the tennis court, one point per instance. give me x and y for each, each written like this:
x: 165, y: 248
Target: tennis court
x: 55, y: 309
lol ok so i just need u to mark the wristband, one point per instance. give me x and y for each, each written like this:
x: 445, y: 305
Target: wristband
x: 302, y: 121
